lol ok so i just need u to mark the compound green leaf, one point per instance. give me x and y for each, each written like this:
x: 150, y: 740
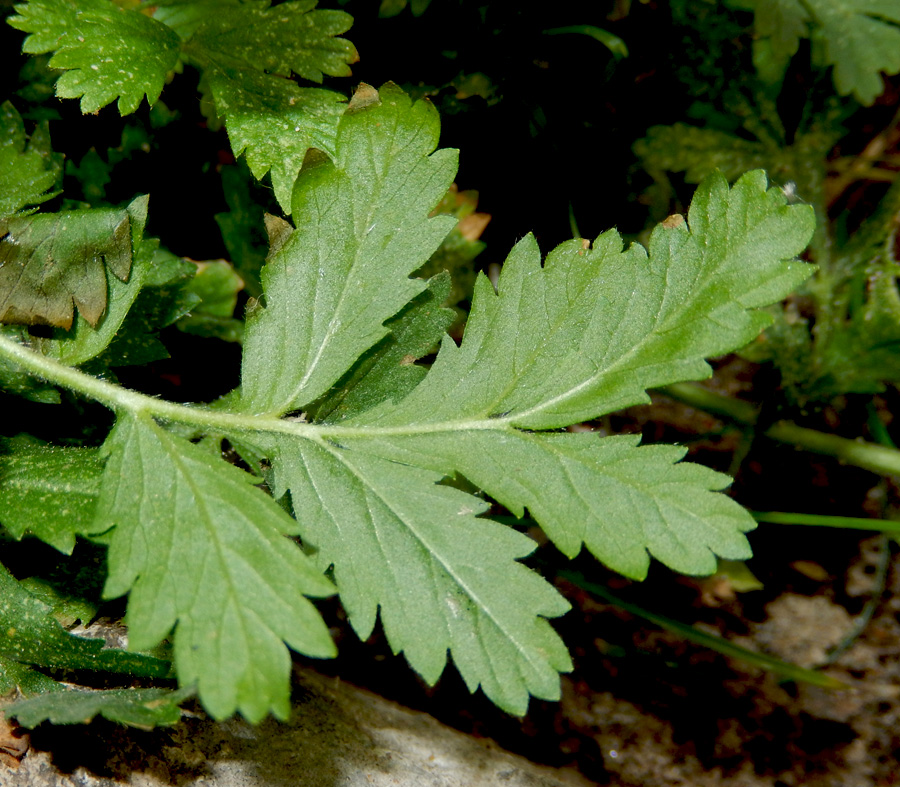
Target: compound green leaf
x: 203, y: 551
x: 591, y: 330
x: 443, y: 578
x: 50, y: 492
x: 362, y: 228
x: 582, y: 335
x: 107, y: 51
x: 143, y: 708
x: 28, y: 168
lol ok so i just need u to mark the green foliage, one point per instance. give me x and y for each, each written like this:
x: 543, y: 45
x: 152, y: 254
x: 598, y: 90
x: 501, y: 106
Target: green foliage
x: 367, y: 213
x: 364, y: 449
x: 859, y: 38
x: 107, y: 52
x: 28, y: 169
x: 50, y: 263
x: 335, y: 335
x: 232, y: 582
x: 246, y: 51
x: 854, y: 300
x: 857, y: 345
x: 215, y: 285
x: 389, y: 370
x: 31, y: 637
x: 145, y: 708
x: 82, y: 342
x: 50, y: 492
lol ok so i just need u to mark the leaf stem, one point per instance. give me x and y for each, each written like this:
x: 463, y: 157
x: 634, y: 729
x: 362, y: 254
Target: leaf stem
x: 821, y: 520
x: 859, y: 453
x: 119, y: 399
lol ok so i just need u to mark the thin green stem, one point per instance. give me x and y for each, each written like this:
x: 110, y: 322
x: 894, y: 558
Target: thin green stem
x: 121, y: 399
x: 869, y: 456
x: 879, y: 459
x: 819, y: 520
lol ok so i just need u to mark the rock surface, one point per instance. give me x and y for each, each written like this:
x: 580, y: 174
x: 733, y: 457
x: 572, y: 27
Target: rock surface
x: 338, y: 736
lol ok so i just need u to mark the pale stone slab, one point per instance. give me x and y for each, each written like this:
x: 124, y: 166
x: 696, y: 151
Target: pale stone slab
x: 338, y: 736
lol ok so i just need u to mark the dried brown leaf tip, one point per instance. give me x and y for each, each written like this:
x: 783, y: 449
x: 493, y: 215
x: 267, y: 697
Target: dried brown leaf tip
x: 365, y: 96
x: 673, y: 221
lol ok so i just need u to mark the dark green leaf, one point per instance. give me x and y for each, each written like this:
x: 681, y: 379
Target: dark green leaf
x: 242, y: 227
x: 216, y: 286
x: 29, y: 634
x: 28, y: 169
x: 52, y: 263
x: 860, y: 38
x: 107, y: 51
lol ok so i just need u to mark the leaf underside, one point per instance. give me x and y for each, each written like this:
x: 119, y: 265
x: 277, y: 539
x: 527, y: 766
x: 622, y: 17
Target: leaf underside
x: 202, y: 550
x: 143, y: 708
x: 362, y: 227
x: 579, y: 336
x: 206, y: 554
